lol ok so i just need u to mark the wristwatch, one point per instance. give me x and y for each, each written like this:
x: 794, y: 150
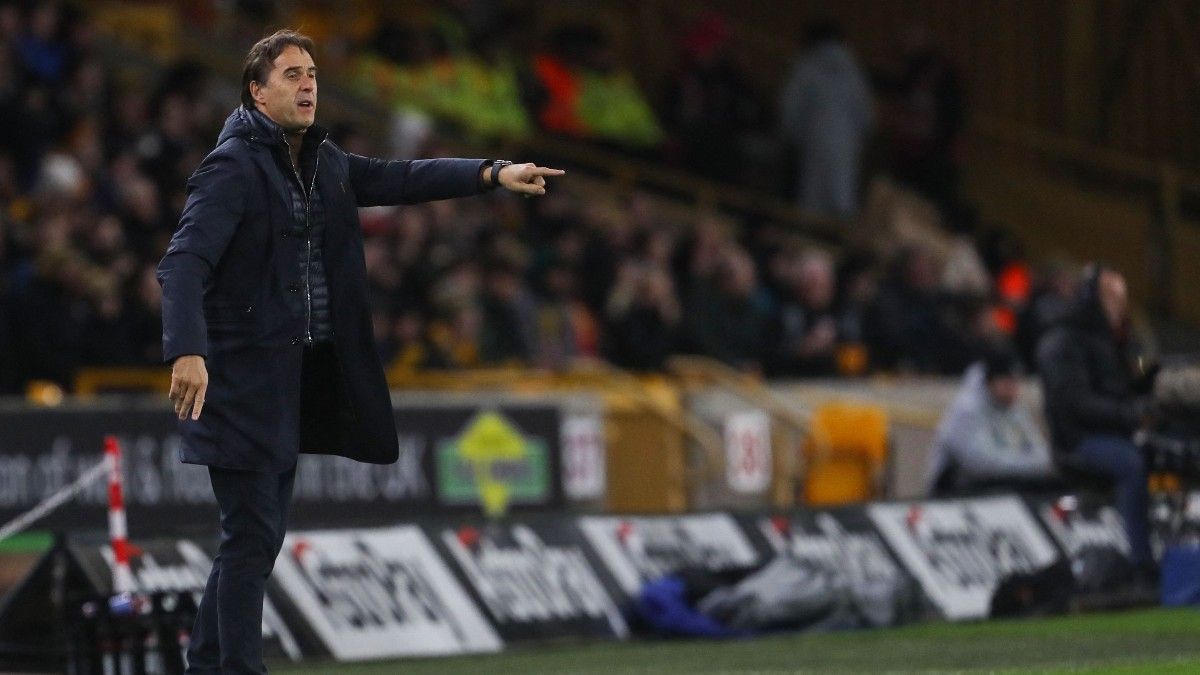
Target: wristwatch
x: 497, y: 164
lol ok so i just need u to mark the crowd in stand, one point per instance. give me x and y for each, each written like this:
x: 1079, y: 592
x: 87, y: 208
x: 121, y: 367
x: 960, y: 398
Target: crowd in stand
x: 92, y: 176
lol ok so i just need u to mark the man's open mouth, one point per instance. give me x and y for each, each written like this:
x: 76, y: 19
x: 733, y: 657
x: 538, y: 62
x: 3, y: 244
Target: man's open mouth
x: 306, y: 104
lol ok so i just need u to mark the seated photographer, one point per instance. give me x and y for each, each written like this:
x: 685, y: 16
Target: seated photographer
x: 986, y: 440
x: 1091, y: 403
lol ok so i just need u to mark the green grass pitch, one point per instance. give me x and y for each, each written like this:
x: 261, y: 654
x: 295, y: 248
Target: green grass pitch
x: 1147, y: 641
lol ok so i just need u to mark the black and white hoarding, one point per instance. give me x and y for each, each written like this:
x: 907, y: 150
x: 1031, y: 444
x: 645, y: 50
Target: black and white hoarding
x: 533, y: 583
x: 960, y: 550
x: 380, y: 593
x: 640, y: 549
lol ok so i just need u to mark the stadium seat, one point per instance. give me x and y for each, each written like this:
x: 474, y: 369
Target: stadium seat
x: 846, y: 451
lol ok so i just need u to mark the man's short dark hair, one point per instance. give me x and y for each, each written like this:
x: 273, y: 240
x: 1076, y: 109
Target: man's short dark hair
x: 1000, y: 361
x: 262, y: 57
x: 821, y: 30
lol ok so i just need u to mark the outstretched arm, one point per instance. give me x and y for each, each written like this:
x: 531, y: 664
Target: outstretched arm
x: 378, y: 182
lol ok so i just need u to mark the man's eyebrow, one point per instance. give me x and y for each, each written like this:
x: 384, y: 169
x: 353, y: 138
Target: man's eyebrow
x: 290, y: 69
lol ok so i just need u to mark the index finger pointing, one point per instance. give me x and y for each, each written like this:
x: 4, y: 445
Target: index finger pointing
x: 547, y: 171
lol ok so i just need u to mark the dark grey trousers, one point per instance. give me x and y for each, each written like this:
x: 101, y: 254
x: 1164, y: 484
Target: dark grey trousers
x: 227, y: 637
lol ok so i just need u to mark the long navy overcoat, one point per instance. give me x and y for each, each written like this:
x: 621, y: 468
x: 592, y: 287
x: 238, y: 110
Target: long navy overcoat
x: 229, y: 278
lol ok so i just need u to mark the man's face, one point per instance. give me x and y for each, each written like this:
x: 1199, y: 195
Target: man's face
x: 818, y: 285
x: 289, y: 96
x: 1114, y: 299
x: 1004, y: 391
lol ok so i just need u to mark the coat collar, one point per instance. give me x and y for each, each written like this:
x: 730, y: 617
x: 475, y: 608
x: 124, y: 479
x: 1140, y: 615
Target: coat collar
x: 254, y: 126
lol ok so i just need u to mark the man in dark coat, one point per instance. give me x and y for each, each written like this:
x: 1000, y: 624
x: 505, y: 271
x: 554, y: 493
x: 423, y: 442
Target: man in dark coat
x: 265, y: 292
x: 1091, y: 402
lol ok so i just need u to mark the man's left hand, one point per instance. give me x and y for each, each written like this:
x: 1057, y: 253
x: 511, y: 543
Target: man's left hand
x: 527, y: 179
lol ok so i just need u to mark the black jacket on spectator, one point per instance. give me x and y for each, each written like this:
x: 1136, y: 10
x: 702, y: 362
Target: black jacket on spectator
x: 730, y: 329
x: 48, y: 330
x: 1086, y: 380
x: 907, y: 329
x: 229, y: 278
x: 790, y: 326
x: 640, y: 339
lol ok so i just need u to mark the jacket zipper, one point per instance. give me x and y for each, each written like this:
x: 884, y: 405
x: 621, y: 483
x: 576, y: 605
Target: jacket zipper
x: 308, y: 339
x: 308, y: 270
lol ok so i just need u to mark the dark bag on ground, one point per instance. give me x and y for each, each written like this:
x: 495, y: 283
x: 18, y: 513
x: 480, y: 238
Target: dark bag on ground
x: 1101, y: 568
x: 1046, y: 591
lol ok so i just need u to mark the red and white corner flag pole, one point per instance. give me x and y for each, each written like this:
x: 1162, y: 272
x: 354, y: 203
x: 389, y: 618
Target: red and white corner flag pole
x: 118, y: 533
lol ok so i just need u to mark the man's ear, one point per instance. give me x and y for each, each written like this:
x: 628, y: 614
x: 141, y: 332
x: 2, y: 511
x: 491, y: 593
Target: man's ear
x: 256, y: 92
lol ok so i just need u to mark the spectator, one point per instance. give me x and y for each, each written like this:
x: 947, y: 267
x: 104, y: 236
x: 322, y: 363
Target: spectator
x: 454, y: 336
x: 930, y: 117
x: 1050, y: 300
x: 727, y: 317
x: 8, y: 375
x: 908, y: 326
x: 456, y: 322
x: 566, y: 328
x: 41, y: 49
x: 411, y: 257
x: 643, y: 318
x: 807, y: 327
x: 553, y: 92
x: 987, y: 439
x: 412, y: 350
x: 382, y: 325
x: 87, y: 93
x: 49, y: 296
x: 383, y: 279
x: 1090, y: 400
x: 107, y: 334
x: 709, y: 103
x: 827, y: 111
x: 128, y: 125
x: 858, y: 285
x: 699, y: 259
x: 11, y: 23
x: 164, y: 147
x: 145, y: 317
x: 8, y: 367
x: 509, y: 331
x: 611, y: 240
x: 93, y: 164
